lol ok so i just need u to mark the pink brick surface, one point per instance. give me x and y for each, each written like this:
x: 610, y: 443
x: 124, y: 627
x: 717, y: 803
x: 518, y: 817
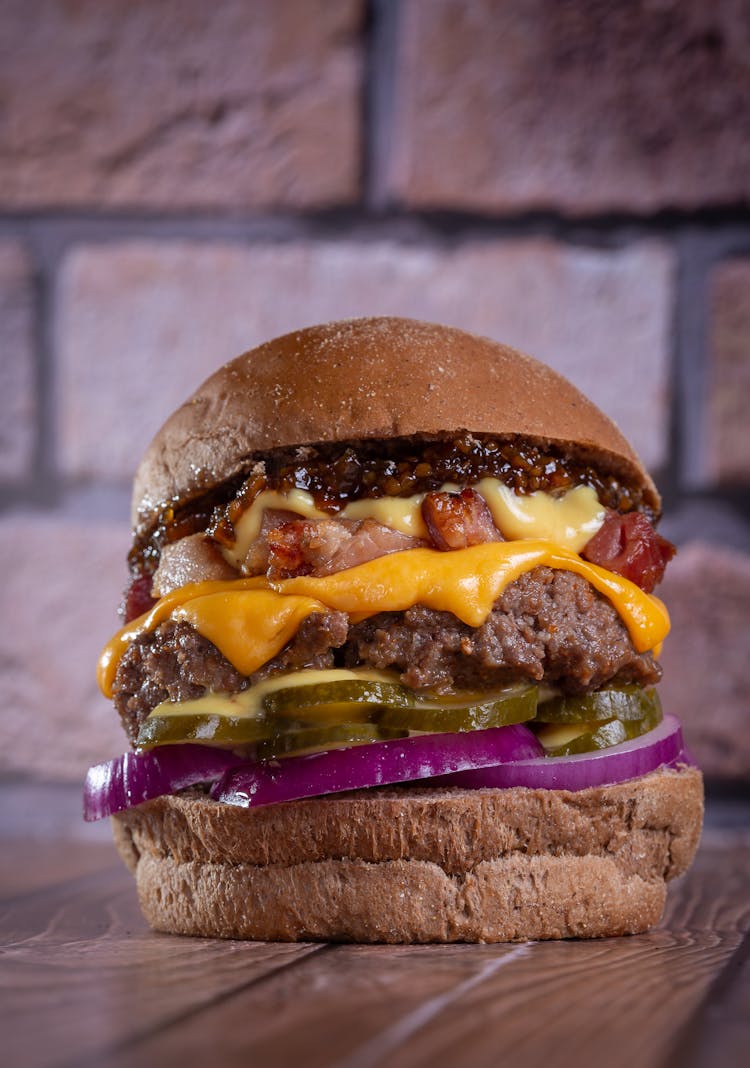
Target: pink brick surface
x: 180, y: 103
x: 17, y: 396
x: 141, y: 324
x: 707, y: 590
x: 62, y: 582
x: 729, y: 404
x: 507, y: 105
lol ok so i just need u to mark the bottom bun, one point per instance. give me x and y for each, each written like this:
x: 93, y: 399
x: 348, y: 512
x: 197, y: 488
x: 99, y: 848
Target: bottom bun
x: 414, y: 864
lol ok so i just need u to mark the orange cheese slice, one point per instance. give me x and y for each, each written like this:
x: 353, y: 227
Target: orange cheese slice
x: 248, y: 625
x: 250, y: 620
x: 116, y: 647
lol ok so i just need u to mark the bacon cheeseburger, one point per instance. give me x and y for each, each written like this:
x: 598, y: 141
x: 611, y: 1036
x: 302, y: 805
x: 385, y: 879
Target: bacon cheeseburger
x: 388, y: 666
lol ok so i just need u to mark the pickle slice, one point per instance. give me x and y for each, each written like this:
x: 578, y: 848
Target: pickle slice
x: 498, y: 710
x: 347, y: 701
x: 595, y: 735
x: 302, y: 740
x: 616, y: 702
x: 207, y: 729
x: 330, y: 714
x: 390, y: 704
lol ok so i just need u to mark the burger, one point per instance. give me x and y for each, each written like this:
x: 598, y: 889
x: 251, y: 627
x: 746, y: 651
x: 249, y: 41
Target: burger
x: 390, y: 650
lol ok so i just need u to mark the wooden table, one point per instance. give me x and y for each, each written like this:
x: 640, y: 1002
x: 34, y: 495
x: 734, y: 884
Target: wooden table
x: 84, y: 982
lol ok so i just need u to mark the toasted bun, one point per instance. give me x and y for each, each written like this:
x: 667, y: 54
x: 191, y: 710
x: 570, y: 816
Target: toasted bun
x: 364, y: 379
x: 414, y: 864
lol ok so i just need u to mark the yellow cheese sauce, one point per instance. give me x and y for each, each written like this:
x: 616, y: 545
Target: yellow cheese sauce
x: 249, y: 703
x: 250, y: 620
x: 569, y: 520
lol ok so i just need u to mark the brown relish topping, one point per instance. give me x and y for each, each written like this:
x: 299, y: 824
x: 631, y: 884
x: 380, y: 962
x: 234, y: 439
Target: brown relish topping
x: 399, y: 467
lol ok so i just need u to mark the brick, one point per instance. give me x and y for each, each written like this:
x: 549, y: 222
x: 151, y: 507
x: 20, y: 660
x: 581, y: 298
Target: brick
x: 511, y: 105
x: 142, y: 324
x: 178, y: 104
x: 707, y: 590
x: 729, y: 392
x: 17, y: 401
x: 58, y: 603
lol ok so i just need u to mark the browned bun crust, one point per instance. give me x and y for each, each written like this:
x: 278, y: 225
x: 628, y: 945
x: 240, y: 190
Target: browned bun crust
x: 415, y: 864
x: 363, y: 379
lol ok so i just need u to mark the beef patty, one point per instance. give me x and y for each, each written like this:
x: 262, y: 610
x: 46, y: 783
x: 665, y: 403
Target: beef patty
x: 549, y: 625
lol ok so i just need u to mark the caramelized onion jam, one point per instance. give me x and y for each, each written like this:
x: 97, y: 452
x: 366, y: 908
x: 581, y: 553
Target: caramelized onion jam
x: 339, y: 472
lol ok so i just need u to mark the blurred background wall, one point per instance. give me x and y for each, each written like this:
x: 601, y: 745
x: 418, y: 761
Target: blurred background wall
x: 180, y: 180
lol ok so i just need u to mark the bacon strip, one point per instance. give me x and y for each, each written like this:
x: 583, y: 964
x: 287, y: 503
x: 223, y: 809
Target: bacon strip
x: 368, y: 540
x: 458, y: 520
x: 258, y: 558
x: 137, y: 598
x: 629, y: 546
x: 324, y: 546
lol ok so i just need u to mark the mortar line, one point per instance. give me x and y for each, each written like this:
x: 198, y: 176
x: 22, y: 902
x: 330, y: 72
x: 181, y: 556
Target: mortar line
x: 608, y: 230
x: 381, y: 73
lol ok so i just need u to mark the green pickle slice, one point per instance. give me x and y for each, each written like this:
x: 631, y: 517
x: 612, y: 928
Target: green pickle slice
x: 476, y: 713
x: 205, y: 728
x: 595, y: 735
x: 620, y: 702
x: 389, y: 704
x: 335, y: 701
x: 298, y: 741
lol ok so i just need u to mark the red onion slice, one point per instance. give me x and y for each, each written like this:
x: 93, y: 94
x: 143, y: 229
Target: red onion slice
x: 375, y: 764
x: 496, y: 758
x: 659, y: 747
x: 135, y: 777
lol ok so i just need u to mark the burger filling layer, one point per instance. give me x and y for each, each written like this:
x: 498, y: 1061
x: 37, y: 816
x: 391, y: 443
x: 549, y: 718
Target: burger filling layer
x: 549, y: 626
x: 308, y: 532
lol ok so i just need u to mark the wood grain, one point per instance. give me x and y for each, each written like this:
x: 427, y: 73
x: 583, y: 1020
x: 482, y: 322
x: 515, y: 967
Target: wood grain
x: 83, y: 982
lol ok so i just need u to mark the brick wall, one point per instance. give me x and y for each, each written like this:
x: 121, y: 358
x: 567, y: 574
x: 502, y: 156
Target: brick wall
x: 573, y: 179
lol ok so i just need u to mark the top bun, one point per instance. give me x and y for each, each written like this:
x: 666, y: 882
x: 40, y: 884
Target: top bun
x: 370, y: 378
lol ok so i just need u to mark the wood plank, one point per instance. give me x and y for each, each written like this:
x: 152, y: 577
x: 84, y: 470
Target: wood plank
x: 320, y: 1015
x: 615, y: 1001
x: 80, y: 972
